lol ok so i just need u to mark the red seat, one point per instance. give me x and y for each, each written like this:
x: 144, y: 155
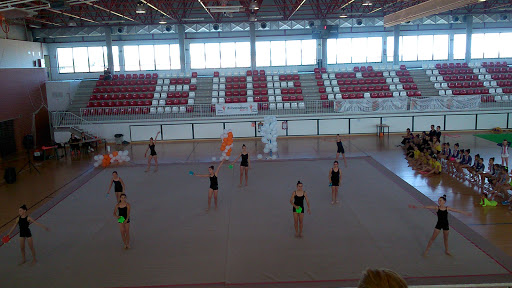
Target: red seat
x: 229, y: 100
x: 300, y: 98
x: 249, y: 73
x: 262, y: 72
x: 323, y: 97
x: 215, y: 74
x: 317, y: 70
x: 264, y: 99
x: 321, y: 90
x: 286, y: 98
x: 323, y: 70
x: 319, y: 83
x: 229, y: 79
x: 257, y: 99
x: 194, y: 74
x: 318, y: 76
x: 243, y: 100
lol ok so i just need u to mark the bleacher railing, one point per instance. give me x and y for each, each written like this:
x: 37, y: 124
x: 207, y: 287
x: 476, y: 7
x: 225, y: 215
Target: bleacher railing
x: 310, y: 107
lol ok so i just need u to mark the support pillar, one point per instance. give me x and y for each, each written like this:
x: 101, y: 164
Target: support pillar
x: 181, y: 42
x: 469, y: 34
x: 396, y: 48
x: 110, y: 56
x: 252, y: 31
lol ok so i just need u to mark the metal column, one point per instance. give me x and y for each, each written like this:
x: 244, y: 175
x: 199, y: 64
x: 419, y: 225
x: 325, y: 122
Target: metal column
x: 252, y: 32
x: 110, y: 56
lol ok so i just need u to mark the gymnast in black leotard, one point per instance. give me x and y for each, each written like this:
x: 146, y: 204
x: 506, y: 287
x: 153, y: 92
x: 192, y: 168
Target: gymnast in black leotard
x: 334, y: 181
x: 340, y: 149
x: 152, y: 154
x: 123, y: 209
x: 214, y: 183
x: 442, y: 222
x: 297, y: 200
x: 244, y: 164
x: 118, y: 186
x: 23, y: 222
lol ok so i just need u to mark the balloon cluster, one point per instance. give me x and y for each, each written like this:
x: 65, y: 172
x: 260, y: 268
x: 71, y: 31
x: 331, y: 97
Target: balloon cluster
x: 269, y: 134
x: 227, y: 144
x: 107, y: 159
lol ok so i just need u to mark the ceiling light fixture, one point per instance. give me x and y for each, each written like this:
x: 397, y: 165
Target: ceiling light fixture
x: 254, y: 5
x: 141, y: 9
x: 367, y: 3
x: 343, y: 16
x: 162, y: 21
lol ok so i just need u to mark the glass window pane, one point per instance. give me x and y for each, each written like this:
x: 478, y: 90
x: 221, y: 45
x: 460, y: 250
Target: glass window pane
x: 410, y: 48
x: 359, y: 50
x: 65, y: 60
x: 227, y: 55
x: 390, y: 51
x: 243, y: 54
x: 293, y: 52
x: 162, y: 57
x: 374, y: 49
x: 197, y: 60
x: 263, y: 53
x: 277, y: 53
x: 175, y: 56
x: 212, y: 54
x: 425, y: 47
x: 131, y: 58
x: 309, y: 52
x: 332, y: 47
x: 505, y: 44
x: 492, y: 45
x: 477, y: 46
x: 344, y: 50
x: 96, y: 61
x: 459, y: 46
x: 115, y: 55
x: 81, y: 59
x: 441, y: 47
x: 147, y: 57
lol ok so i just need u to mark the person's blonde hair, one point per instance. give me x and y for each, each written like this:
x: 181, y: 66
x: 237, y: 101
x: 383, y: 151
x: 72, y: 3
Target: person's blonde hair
x: 381, y: 278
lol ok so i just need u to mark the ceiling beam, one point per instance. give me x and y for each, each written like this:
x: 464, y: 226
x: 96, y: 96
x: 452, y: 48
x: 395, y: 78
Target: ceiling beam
x: 297, y: 9
x: 424, y: 9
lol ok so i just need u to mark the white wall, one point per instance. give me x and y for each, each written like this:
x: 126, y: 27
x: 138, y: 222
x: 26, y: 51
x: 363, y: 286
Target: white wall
x: 328, y: 125
x: 19, y: 54
x: 60, y: 94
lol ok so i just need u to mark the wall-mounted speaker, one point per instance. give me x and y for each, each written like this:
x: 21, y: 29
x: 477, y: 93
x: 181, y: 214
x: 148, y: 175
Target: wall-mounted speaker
x: 216, y: 27
x: 263, y: 25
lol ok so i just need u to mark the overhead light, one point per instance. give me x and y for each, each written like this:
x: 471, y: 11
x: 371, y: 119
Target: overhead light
x: 343, y: 16
x: 192, y: 19
x: 162, y: 21
x: 141, y: 9
x: 253, y: 6
x: 34, y: 26
x: 367, y: 3
x: 482, y: 0
x: 252, y: 18
x: 71, y: 23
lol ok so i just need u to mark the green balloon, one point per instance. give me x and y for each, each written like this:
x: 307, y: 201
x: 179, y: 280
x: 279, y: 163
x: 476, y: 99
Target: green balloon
x: 230, y: 166
x: 121, y: 219
x: 298, y: 210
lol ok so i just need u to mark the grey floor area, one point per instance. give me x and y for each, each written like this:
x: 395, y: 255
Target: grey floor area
x: 249, y: 240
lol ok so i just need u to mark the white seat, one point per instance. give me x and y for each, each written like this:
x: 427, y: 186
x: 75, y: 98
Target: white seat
x: 175, y: 109
x: 359, y: 75
x: 336, y: 89
x: 290, y: 84
x: 295, y: 105
x: 441, y: 93
x: 396, y: 80
x: 160, y: 110
x: 165, y: 88
x: 158, y: 88
x: 277, y: 84
x: 249, y: 78
x: 222, y: 100
x: 179, y: 87
x: 156, y: 95
x: 332, y: 76
x: 249, y: 86
x: 222, y: 80
x: 403, y: 93
x: 449, y: 92
x: 222, y: 86
x: 277, y: 91
x: 270, y: 91
x: 250, y: 99
x: 492, y: 91
x: 389, y: 80
x: 483, y: 70
x: 440, y: 79
x: 488, y: 77
x: 154, y: 103
x: 192, y: 94
x: 433, y: 79
x: 435, y: 72
x: 167, y: 81
x: 271, y: 98
x: 326, y: 76
x: 392, y: 74
x: 284, y: 84
x: 487, y: 84
x: 302, y: 105
x: 159, y: 81
x: 399, y: 87
x: 328, y: 89
x: 494, y: 84
x: 190, y: 101
x: 163, y: 95
x: 161, y: 102
x: 366, y: 95
x: 476, y: 70
x: 186, y: 87
x: 172, y: 88
x: 183, y: 109
x: 481, y: 77
x: 214, y: 101
x: 396, y: 94
x: 385, y: 74
x: 279, y: 99
x: 392, y: 87
x: 250, y: 93
x: 437, y: 85
x: 497, y: 98
x: 287, y: 106
x: 215, y: 80
x: 428, y: 72
x: 272, y: 106
x: 499, y: 90
x: 152, y: 110
x: 270, y: 84
x: 168, y: 109
x: 269, y: 78
x: 279, y: 106
x: 330, y: 97
x: 334, y: 82
x: 327, y: 83
x: 193, y: 81
x: 444, y: 85
x: 275, y: 78
x: 505, y: 98
x: 215, y: 93
x: 338, y: 96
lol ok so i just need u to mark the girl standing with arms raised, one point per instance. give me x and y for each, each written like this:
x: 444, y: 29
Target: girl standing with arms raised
x: 442, y: 222
x: 152, y: 154
x: 24, y: 221
x: 214, y: 184
x: 297, y: 201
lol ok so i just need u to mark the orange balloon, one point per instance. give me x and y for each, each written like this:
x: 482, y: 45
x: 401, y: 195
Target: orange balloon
x: 115, y: 153
x: 230, y: 150
x: 228, y: 153
x: 230, y: 134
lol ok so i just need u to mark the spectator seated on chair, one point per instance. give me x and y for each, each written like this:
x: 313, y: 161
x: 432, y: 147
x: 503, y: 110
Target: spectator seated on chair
x: 86, y: 144
x: 73, y: 144
x: 107, y: 75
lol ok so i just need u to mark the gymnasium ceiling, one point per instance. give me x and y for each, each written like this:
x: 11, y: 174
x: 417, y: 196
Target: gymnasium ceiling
x: 80, y: 13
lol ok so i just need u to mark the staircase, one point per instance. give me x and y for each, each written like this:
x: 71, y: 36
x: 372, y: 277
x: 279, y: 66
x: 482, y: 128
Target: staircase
x: 82, y: 95
x: 204, y: 90
x: 424, y: 84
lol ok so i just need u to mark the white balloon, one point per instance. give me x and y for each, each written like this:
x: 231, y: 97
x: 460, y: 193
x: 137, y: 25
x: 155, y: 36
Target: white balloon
x: 111, y: 160
x: 120, y: 160
x: 96, y: 158
x: 274, y: 156
x: 266, y: 150
x: 227, y: 158
x: 126, y: 152
x: 274, y: 149
x: 111, y: 156
x: 224, y: 154
x: 101, y: 157
x: 214, y: 158
x: 260, y: 156
x: 96, y: 164
x: 127, y: 159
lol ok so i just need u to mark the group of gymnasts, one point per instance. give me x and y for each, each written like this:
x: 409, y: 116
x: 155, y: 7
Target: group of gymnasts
x: 299, y: 196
